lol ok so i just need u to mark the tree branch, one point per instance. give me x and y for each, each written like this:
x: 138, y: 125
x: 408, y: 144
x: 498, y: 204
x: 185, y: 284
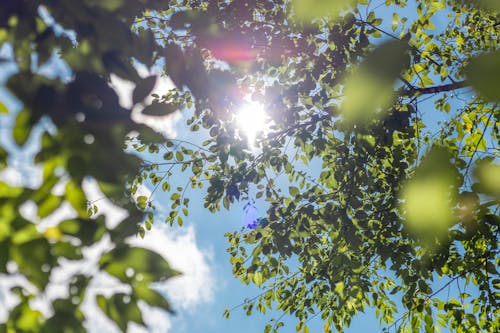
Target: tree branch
x: 412, y: 90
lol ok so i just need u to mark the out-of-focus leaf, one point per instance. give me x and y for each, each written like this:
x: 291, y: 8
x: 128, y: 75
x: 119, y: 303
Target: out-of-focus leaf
x: 159, y: 109
x: 487, y: 4
x: 86, y: 230
x: 483, y: 72
x: 311, y: 9
x: 369, y: 90
x: 175, y: 64
x: 429, y: 197
x: 65, y: 319
x: 152, y: 297
x: 3, y: 157
x: 22, y: 127
x: 75, y: 196
x: 67, y: 250
x: 7, y: 191
x: 149, y: 264
x: 27, y: 319
x: 34, y: 260
x: 49, y: 205
x: 3, y: 108
x: 25, y: 234
x: 120, y: 309
x: 110, y: 5
x: 143, y: 89
x: 488, y: 176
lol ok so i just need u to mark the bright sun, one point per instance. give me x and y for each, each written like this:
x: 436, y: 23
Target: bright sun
x: 252, y: 120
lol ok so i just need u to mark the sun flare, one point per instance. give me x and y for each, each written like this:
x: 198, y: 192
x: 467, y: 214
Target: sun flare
x: 252, y: 120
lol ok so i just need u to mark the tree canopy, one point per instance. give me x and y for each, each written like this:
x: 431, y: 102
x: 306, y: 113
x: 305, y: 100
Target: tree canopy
x: 378, y: 171
x: 95, y: 40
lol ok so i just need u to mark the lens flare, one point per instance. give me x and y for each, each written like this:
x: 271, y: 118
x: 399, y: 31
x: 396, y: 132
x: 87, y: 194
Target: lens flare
x: 252, y: 120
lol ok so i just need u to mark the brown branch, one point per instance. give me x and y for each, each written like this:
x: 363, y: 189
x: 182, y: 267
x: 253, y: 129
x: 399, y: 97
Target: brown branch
x: 412, y: 90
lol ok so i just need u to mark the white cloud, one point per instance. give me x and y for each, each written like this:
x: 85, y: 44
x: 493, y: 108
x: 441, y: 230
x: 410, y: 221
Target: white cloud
x: 178, y: 246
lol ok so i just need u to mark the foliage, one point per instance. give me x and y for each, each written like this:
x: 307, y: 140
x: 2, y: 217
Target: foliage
x: 380, y: 167
x: 95, y: 40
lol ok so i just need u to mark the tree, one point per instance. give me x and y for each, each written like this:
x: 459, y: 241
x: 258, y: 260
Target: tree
x: 94, y: 39
x: 379, y: 170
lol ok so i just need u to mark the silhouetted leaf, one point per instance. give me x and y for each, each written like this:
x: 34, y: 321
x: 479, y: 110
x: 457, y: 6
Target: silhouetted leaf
x: 159, y: 109
x: 143, y: 89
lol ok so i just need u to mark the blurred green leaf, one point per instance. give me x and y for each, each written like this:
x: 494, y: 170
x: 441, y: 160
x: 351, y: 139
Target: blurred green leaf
x: 429, y: 197
x: 488, y: 175
x: 87, y: 231
x: 120, y: 309
x: 27, y: 319
x: 152, y: 297
x: 7, y: 191
x: 49, y: 205
x: 486, y: 4
x: 483, y: 71
x: 22, y: 127
x: 369, y: 90
x: 34, y: 260
x: 67, y: 250
x: 149, y: 264
x: 3, y: 108
x: 311, y: 9
x: 75, y: 196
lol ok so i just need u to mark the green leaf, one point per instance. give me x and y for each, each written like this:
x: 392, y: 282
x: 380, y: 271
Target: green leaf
x: 258, y: 279
x: 33, y: 259
x: 311, y: 9
x: 27, y: 319
x: 487, y: 4
x: 483, y: 72
x: 120, y: 309
x: 7, y: 191
x: 67, y: 250
x: 49, y: 205
x: 3, y: 108
x: 488, y: 176
x: 369, y: 90
x: 179, y: 156
x: 86, y: 230
x: 110, y: 5
x: 22, y: 127
x: 149, y: 264
x: 142, y: 202
x: 152, y: 297
x: 76, y: 198
x: 428, y: 199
